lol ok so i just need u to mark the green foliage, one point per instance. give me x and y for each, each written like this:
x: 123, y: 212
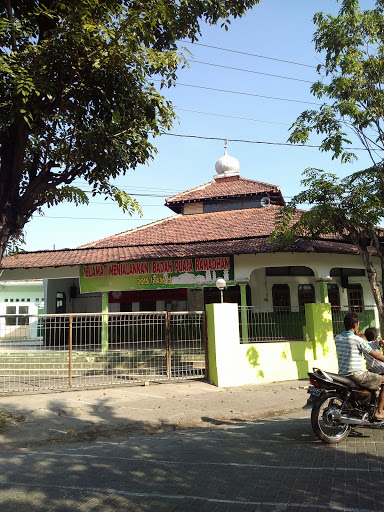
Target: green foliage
x: 351, y: 81
x: 350, y: 207
x: 65, y: 193
x: 78, y: 96
x: 14, y: 245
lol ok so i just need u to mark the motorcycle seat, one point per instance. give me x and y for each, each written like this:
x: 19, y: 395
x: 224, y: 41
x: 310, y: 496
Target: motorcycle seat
x: 343, y: 379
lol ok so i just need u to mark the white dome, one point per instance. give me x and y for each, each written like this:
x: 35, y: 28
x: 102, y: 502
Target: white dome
x: 227, y: 166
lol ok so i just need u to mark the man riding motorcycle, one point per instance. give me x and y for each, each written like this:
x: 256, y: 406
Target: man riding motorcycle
x: 349, y: 348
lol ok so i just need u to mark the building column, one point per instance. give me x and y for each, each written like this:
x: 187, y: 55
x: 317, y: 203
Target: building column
x: 244, y: 315
x: 104, y: 322
x: 323, y: 284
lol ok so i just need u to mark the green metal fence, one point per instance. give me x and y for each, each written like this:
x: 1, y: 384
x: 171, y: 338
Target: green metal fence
x: 271, y: 324
x: 286, y: 323
x: 366, y: 316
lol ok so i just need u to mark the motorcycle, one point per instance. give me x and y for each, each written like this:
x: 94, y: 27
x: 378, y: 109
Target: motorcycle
x: 338, y: 404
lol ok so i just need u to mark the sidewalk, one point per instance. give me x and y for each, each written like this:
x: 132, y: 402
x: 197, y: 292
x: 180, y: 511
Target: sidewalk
x: 89, y: 414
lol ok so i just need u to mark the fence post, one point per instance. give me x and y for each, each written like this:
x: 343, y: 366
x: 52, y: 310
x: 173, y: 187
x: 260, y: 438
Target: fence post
x: 168, y: 345
x: 70, y: 352
x: 244, y: 312
x: 104, y: 322
x: 205, y: 334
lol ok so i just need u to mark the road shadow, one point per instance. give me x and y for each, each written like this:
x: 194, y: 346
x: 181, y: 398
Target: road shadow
x: 260, y: 465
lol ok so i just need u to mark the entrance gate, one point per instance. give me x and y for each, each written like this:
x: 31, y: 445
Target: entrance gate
x: 78, y: 350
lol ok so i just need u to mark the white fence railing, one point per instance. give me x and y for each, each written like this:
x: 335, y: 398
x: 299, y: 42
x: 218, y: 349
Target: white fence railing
x: 78, y: 350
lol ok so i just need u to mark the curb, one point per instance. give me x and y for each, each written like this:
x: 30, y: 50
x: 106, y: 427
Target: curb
x: 98, y: 433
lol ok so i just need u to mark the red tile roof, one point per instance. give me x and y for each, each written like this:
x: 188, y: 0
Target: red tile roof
x: 222, y: 188
x: 197, y: 228
x: 218, y: 233
x: 73, y: 257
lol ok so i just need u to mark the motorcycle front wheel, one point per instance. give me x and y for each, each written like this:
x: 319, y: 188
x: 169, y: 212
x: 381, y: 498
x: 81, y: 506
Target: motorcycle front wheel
x: 323, y: 419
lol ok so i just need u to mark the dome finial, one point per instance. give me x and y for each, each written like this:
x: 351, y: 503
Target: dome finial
x: 227, y: 166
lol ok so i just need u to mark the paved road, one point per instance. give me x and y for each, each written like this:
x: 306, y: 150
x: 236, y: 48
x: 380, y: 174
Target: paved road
x: 265, y: 465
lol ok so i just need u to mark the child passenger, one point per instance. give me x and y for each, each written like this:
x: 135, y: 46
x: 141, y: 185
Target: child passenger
x: 373, y: 365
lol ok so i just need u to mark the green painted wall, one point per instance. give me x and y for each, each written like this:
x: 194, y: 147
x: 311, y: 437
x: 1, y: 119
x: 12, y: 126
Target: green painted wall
x: 235, y: 364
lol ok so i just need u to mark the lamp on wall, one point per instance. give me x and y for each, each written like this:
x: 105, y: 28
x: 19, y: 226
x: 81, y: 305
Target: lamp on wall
x: 323, y: 279
x: 221, y: 285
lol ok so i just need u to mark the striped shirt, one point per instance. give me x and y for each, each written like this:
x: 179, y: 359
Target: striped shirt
x: 350, y: 348
x: 374, y: 365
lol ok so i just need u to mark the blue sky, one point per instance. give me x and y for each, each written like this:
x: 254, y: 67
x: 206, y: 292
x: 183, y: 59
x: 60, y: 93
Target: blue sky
x: 279, y: 29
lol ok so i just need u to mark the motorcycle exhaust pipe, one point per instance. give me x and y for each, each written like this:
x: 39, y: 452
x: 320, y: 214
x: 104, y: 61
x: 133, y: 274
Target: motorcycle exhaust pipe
x: 352, y: 421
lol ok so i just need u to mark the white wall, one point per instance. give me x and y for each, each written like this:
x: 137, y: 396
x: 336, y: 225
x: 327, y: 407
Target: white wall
x: 321, y: 263
x: 20, y: 293
x: 252, y: 267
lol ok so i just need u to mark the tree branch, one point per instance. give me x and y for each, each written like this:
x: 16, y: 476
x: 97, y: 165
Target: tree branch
x: 10, y: 19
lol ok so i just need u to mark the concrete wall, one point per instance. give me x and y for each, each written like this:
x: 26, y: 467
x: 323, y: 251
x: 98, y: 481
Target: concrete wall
x: 235, y: 364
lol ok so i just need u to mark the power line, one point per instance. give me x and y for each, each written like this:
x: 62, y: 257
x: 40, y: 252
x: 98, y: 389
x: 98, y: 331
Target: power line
x: 113, y: 203
x: 231, y: 117
x: 239, y: 117
x: 253, y: 141
x: 134, y: 193
x: 125, y: 219
x: 96, y: 218
x: 251, y: 54
x: 252, y: 71
x: 175, y: 191
x: 243, y: 93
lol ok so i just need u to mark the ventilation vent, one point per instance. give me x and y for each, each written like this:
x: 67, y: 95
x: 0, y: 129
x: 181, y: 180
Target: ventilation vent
x: 265, y: 201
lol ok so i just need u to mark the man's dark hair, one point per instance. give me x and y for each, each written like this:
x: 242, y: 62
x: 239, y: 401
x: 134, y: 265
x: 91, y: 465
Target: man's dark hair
x: 371, y: 333
x: 350, y: 320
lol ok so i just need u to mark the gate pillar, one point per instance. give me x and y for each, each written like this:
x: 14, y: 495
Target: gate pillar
x: 223, y: 344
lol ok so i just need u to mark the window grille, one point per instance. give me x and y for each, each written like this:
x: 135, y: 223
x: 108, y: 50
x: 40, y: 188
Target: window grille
x: 355, y: 300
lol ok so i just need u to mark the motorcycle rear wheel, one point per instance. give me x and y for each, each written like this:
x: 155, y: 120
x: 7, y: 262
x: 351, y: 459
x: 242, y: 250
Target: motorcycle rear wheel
x: 322, y: 419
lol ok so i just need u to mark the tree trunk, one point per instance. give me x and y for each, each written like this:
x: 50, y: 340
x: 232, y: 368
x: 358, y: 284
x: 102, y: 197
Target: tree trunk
x: 373, y: 281
x: 3, y: 244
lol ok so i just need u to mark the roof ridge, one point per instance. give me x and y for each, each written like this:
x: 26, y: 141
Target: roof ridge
x: 199, y: 187
x: 210, y: 187
x: 263, y: 182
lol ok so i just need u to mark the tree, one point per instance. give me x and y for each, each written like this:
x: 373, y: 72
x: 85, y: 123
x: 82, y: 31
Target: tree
x: 352, y: 79
x: 350, y: 207
x: 78, y: 96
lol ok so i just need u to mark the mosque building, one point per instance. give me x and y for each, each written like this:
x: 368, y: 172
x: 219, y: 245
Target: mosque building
x: 220, y: 229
